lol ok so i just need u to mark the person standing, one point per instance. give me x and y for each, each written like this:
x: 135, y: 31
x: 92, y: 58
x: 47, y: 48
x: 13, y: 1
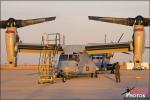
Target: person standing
x: 117, y: 72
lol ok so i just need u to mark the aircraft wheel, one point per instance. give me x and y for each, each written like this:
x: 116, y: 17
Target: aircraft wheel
x: 112, y: 72
x: 64, y: 79
x: 92, y: 75
x: 58, y: 75
x: 96, y: 75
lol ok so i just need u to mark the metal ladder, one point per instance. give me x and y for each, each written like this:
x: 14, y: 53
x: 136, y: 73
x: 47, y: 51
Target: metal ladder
x: 47, y: 59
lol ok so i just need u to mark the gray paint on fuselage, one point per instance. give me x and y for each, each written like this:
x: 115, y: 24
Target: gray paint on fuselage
x: 83, y: 66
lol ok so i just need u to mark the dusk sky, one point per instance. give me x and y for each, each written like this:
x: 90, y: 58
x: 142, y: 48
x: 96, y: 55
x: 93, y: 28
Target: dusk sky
x: 72, y: 21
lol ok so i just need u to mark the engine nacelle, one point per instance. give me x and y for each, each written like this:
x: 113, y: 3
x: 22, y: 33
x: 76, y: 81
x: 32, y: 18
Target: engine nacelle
x: 139, y: 39
x: 10, y: 46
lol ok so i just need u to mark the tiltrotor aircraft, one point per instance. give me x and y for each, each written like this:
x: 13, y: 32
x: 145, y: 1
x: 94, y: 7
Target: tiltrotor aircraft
x: 138, y: 34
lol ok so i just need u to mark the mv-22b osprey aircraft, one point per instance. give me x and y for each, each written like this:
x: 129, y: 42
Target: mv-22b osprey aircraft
x: 14, y: 46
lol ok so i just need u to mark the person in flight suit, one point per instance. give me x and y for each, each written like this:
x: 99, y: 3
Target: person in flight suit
x: 117, y: 72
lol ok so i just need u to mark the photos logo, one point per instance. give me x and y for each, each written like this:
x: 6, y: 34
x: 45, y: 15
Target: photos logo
x: 137, y: 93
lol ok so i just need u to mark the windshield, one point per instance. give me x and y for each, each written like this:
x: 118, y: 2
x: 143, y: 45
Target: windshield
x: 97, y: 59
x: 64, y: 57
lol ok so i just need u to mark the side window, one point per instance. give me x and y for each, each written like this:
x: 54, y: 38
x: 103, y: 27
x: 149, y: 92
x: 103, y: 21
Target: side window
x: 63, y: 57
x: 74, y: 57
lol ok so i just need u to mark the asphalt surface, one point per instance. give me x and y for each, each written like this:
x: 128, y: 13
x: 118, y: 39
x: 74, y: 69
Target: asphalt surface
x: 21, y: 85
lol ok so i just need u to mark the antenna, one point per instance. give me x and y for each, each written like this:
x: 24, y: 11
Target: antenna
x: 63, y: 39
x: 120, y: 37
x: 105, y: 38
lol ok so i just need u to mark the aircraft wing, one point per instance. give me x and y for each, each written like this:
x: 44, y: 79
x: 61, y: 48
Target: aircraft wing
x: 109, y: 47
x: 37, y: 48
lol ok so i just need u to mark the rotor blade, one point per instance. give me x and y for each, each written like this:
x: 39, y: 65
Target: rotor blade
x: 3, y: 24
x: 23, y: 23
x: 122, y: 21
x: 120, y: 37
x: 146, y: 21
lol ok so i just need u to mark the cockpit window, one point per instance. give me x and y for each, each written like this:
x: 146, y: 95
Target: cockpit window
x: 73, y: 57
x: 69, y: 57
x: 97, y: 58
x: 63, y: 57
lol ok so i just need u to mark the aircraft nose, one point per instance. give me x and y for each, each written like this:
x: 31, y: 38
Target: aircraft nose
x: 65, y: 69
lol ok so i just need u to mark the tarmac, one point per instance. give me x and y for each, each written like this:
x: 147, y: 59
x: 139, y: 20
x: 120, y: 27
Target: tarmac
x: 23, y: 85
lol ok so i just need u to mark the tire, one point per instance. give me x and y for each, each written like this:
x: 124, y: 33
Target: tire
x: 96, y: 75
x: 59, y: 75
x: 63, y: 79
x: 92, y: 75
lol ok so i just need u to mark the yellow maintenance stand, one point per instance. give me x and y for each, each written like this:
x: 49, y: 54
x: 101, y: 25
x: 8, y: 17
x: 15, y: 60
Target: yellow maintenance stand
x: 48, y: 58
